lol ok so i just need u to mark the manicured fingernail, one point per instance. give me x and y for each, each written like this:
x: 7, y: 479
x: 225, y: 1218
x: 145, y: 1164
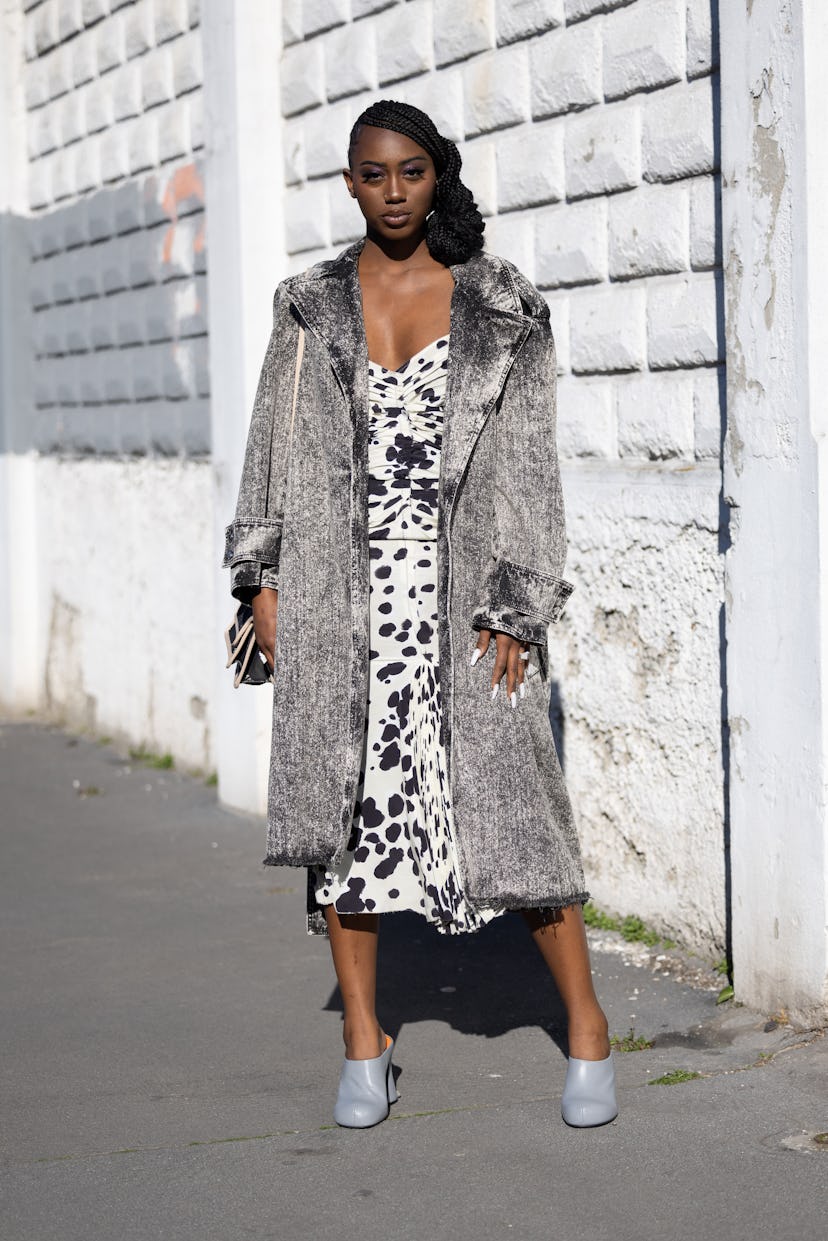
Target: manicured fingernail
x: 513, y: 699
x: 494, y: 691
x: 522, y: 690
x: 476, y: 653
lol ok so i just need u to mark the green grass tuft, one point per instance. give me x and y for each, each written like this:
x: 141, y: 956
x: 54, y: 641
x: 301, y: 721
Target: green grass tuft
x: 632, y: 928
x: 674, y: 1077
x: 161, y: 762
x: 631, y: 1042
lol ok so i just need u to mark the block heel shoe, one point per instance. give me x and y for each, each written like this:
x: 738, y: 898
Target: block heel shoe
x: 589, y: 1093
x: 366, y: 1090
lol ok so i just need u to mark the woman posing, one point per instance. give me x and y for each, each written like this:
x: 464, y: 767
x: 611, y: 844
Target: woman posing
x: 400, y: 497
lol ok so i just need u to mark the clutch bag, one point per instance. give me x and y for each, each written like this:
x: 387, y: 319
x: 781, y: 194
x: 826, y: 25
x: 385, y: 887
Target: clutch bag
x: 244, y: 651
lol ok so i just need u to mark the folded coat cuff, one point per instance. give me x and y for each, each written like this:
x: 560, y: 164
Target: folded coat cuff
x: 251, y: 551
x: 521, y: 601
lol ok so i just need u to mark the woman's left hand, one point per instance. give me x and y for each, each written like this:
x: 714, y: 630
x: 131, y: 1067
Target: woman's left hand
x: 511, y: 658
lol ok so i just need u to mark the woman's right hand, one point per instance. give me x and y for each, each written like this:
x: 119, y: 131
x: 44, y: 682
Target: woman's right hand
x: 265, y: 609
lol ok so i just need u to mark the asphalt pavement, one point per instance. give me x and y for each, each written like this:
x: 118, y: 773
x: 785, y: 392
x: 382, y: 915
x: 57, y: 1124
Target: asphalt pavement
x: 171, y: 1047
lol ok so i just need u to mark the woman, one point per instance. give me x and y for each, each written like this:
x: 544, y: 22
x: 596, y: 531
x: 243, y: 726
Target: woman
x: 400, y: 492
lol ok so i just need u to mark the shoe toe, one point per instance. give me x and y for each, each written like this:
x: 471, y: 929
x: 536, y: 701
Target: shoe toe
x: 585, y: 1113
x: 364, y: 1089
x: 589, y: 1094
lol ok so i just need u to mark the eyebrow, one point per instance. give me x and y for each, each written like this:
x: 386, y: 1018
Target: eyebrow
x: 377, y: 163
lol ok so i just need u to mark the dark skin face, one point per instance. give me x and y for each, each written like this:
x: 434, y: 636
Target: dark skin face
x: 393, y: 180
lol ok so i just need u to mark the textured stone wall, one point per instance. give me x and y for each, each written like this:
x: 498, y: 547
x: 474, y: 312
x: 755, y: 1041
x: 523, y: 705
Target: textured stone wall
x: 106, y: 438
x: 117, y: 239
x: 588, y: 130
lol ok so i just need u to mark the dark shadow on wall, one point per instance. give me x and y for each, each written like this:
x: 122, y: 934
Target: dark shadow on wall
x: 724, y: 508
x: 111, y: 344
x: 16, y: 424
x: 557, y: 721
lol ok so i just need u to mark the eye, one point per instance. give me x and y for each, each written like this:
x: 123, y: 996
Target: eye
x: 414, y: 172
x: 371, y: 176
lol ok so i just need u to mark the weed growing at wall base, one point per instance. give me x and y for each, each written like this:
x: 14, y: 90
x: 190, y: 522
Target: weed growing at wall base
x: 632, y: 928
x: 162, y: 762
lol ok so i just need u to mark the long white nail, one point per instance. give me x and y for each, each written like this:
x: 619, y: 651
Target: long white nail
x: 513, y: 699
x: 494, y: 691
x: 522, y: 690
x: 476, y: 653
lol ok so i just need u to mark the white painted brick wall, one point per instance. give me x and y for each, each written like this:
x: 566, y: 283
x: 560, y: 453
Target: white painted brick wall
x: 350, y: 61
x: 565, y: 67
x: 586, y: 130
x: 655, y: 419
x: 678, y: 133
x: 649, y: 231
x: 608, y: 330
x: 404, y: 41
x: 460, y: 30
x: 113, y: 93
x: 603, y: 150
x: 526, y: 18
x: 571, y: 244
x: 682, y: 322
x: 530, y: 166
x: 496, y: 89
x: 480, y: 172
x: 644, y: 47
x: 702, y: 53
x: 586, y: 418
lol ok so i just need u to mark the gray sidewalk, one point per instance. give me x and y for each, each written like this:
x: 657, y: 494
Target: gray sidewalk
x: 171, y: 1046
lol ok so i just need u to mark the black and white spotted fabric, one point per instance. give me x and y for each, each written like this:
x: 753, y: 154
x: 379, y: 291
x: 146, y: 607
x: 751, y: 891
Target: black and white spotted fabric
x: 401, y: 853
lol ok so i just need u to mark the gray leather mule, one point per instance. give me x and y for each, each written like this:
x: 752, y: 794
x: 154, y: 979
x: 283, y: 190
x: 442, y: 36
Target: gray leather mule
x: 589, y: 1093
x: 366, y: 1090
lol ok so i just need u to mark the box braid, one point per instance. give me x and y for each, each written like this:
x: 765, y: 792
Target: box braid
x: 454, y: 229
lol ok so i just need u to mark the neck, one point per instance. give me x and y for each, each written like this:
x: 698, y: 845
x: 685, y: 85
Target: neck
x: 393, y: 255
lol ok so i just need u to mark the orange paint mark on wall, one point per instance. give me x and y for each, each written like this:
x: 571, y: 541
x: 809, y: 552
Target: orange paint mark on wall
x: 184, y: 183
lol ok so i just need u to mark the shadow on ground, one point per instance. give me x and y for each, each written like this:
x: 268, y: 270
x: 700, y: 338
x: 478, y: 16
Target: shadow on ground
x: 487, y: 983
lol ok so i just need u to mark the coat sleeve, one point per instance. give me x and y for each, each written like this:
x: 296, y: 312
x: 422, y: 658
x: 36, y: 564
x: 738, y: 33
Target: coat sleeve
x: 524, y: 590
x: 253, y: 539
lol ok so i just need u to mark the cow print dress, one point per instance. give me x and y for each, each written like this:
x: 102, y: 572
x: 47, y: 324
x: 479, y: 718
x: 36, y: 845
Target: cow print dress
x: 401, y: 853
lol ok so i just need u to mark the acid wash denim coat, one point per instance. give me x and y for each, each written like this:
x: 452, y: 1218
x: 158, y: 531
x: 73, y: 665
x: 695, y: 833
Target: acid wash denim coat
x: 301, y: 525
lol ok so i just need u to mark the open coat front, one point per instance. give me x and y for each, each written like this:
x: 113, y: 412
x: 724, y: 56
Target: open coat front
x: 301, y: 524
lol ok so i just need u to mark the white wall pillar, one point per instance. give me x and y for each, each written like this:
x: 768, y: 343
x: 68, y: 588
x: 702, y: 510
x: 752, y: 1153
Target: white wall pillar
x: 20, y: 615
x: 244, y: 190
x: 775, y: 178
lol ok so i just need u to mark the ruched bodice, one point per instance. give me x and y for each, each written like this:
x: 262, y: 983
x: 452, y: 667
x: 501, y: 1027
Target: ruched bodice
x: 406, y: 436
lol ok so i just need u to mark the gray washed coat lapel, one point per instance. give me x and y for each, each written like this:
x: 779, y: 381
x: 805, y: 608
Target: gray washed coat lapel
x: 484, y: 316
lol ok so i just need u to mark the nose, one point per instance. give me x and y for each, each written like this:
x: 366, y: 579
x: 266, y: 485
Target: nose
x: 394, y: 188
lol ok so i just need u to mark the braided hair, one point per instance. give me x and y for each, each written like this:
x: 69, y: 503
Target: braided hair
x: 454, y: 229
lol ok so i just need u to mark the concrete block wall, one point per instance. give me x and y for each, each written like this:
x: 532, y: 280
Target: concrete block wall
x: 589, y: 136
x: 107, y: 444
x: 117, y: 237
